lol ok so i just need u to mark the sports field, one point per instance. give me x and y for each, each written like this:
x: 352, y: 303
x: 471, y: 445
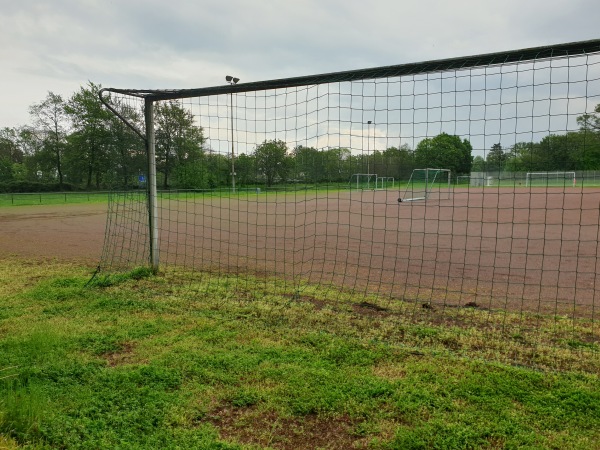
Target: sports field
x: 505, y: 248
x: 171, y: 361
x: 67, y: 232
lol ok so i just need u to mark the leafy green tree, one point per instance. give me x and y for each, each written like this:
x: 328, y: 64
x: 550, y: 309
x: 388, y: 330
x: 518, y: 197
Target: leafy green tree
x: 51, y: 127
x: 127, y: 150
x: 478, y: 164
x: 89, y: 146
x: 11, y: 156
x: 398, y: 162
x: 178, y: 140
x: 588, y: 140
x: 308, y: 164
x: 245, y: 169
x: 445, y: 151
x: 33, y: 155
x: 496, y: 158
x: 590, y: 122
x: 334, y: 164
x: 521, y: 157
x: 194, y: 175
x: 272, y: 161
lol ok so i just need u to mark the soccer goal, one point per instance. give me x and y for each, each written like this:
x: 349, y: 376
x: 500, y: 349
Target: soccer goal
x: 383, y: 183
x: 427, y: 184
x: 363, y: 181
x: 550, y: 179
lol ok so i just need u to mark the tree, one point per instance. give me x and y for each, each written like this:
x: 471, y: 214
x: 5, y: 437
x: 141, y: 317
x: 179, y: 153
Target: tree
x: 496, y: 158
x: 522, y: 157
x: 178, y: 140
x: 399, y: 161
x: 444, y: 152
x: 588, y: 138
x: 50, y: 122
x: 478, y: 164
x: 334, y: 164
x: 89, y: 146
x: 590, y: 122
x: 126, y: 148
x: 11, y: 155
x: 272, y: 161
x: 245, y: 169
x: 307, y: 164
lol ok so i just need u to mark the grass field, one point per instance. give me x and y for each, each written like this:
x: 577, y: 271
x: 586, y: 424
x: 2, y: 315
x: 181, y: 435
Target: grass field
x: 54, y: 198
x: 51, y: 198
x: 139, y: 361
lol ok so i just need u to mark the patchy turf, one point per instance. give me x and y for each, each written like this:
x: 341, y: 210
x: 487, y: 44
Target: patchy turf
x: 141, y: 361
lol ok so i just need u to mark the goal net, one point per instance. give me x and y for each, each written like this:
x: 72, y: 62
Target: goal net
x: 363, y: 181
x: 384, y: 183
x: 254, y: 186
x: 550, y: 179
x: 427, y: 184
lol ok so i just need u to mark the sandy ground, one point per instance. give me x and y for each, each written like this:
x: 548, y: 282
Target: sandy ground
x: 66, y: 232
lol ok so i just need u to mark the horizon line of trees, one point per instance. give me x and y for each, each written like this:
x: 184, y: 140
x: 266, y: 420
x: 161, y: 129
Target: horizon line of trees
x: 76, y: 143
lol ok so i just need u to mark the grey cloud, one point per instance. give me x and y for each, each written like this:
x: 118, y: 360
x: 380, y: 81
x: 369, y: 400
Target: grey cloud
x: 151, y: 43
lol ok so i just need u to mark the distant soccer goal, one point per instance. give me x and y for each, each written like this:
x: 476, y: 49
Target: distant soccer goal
x: 383, y: 183
x: 550, y: 179
x: 363, y: 181
x: 427, y: 184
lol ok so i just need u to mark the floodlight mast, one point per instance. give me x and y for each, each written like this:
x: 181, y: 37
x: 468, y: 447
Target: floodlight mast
x: 232, y: 80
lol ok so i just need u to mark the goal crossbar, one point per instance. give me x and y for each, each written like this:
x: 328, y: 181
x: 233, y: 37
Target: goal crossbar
x: 551, y: 178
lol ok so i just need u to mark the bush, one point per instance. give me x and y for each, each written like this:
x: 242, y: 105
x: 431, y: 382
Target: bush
x: 36, y: 186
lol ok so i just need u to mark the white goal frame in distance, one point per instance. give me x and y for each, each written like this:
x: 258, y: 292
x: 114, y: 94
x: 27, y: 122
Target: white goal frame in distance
x: 384, y: 183
x: 429, y: 182
x: 368, y: 176
x: 551, y: 176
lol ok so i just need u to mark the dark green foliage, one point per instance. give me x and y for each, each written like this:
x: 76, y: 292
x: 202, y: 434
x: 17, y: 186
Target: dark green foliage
x: 36, y: 186
x: 445, y: 152
x: 272, y: 161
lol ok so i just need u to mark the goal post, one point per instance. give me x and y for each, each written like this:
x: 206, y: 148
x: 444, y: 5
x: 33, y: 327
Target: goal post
x: 363, y: 181
x: 383, y: 183
x: 550, y: 179
x: 300, y: 141
x: 427, y: 184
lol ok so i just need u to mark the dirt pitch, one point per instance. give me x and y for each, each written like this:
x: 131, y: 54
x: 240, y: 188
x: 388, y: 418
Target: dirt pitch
x: 517, y: 249
x: 73, y: 232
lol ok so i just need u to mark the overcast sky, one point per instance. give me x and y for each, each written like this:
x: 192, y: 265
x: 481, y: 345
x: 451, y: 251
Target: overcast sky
x: 60, y: 45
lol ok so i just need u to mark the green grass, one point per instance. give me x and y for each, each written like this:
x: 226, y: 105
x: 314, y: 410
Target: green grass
x: 51, y: 198
x: 60, y: 198
x: 140, y: 362
x: 298, y: 189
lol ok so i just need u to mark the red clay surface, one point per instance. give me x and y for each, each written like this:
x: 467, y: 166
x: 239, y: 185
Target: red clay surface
x: 520, y: 249
x: 65, y: 232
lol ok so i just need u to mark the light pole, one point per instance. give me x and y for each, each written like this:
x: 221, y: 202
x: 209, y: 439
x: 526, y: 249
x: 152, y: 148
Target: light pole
x: 232, y: 80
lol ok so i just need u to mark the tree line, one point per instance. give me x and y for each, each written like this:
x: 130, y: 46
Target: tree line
x: 76, y: 143
x: 571, y: 151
